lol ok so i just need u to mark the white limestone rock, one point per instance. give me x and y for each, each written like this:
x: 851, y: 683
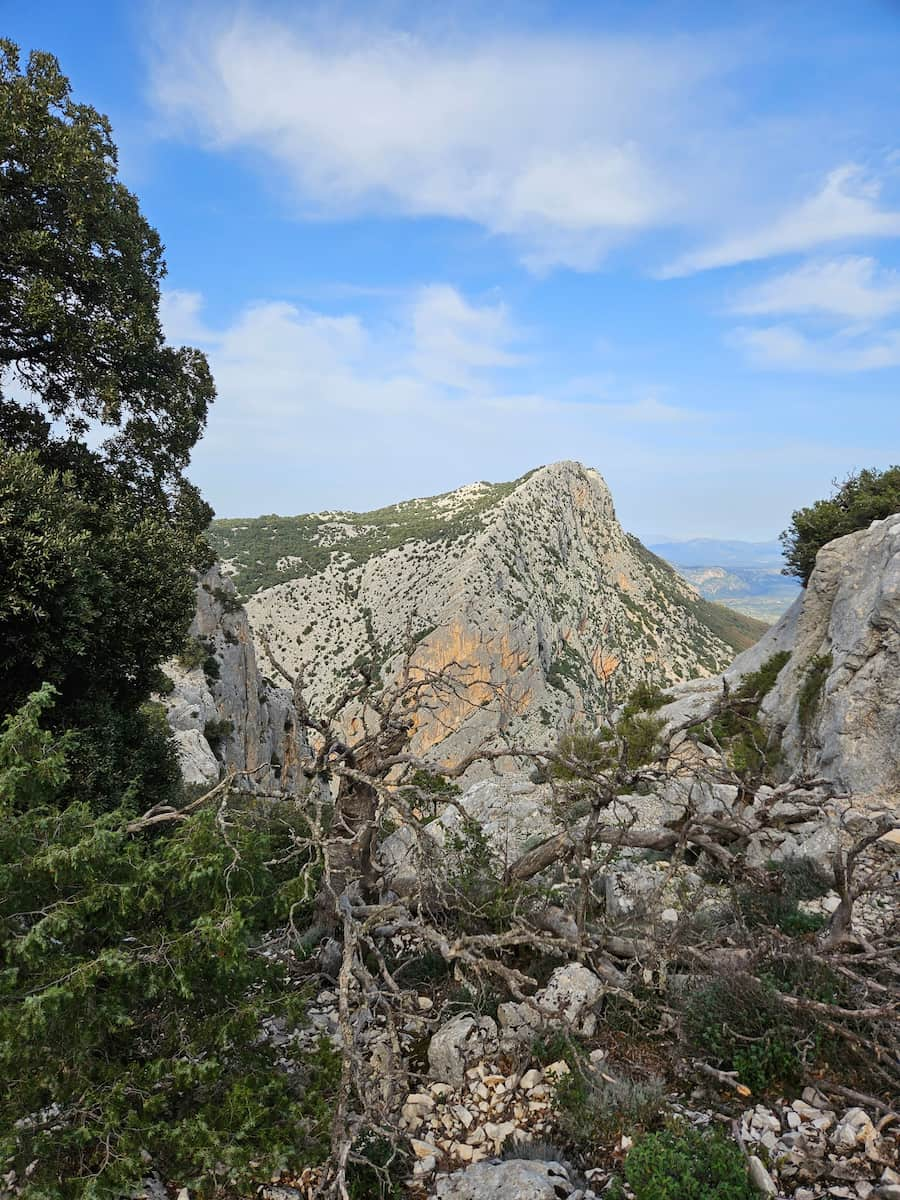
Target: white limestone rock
x: 843, y: 636
x: 571, y: 992
x: 198, y: 763
x: 455, y: 1046
x: 256, y: 721
x: 515, y: 1179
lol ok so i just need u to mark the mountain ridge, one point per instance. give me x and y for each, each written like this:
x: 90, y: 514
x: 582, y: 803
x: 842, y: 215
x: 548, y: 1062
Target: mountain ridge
x: 530, y: 589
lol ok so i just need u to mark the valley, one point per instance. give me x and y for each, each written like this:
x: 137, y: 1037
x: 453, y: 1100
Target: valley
x: 745, y: 576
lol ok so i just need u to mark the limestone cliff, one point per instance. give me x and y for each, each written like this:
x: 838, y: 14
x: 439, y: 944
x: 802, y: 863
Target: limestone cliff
x: 223, y: 712
x: 835, y: 707
x: 530, y: 593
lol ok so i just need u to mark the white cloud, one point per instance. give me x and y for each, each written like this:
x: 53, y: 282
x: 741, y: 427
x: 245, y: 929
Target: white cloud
x: 179, y: 312
x: 317, y: 410
x: 851, y: 287
x: 454, y: 339
x: 847, y: 206
x: 782, y: 347
x: 649, y: 411
x: 567, y: 145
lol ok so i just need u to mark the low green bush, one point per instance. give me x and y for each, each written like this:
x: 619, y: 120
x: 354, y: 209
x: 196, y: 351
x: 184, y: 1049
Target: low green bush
x: 779, y: 905
x: 218, y: 731
x: 688, y: 1165
x: 192, y: 654
x: 751, y: 751
x: 377, y: 1168
x: 646, y: 697
x: 737, y: 1022
x: 589, y: 1111
x: 811, y: 689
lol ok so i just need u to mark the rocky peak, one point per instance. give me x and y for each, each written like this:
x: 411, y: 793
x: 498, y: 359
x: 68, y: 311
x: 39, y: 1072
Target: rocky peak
x: 530, y: 593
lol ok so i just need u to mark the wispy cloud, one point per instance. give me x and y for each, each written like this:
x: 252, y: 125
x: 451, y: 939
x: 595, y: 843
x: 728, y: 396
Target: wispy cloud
x: 567, y: 145
x: 846, y: 207
x: 436, y: 379
x: 853, y: 287
x: 782, y: 347
x: 454, y: 339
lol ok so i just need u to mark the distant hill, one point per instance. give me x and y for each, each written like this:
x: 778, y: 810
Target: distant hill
x: 531, y: 591
x: 745, y: 576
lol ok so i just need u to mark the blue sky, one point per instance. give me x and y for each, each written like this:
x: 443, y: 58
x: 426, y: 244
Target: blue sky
x: 423, y: 246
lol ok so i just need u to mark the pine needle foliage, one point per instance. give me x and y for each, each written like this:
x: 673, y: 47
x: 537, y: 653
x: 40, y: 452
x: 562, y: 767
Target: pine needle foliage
x: 135, y: 992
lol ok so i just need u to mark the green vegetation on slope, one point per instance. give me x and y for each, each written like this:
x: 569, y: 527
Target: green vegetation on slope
x: 257, y: 545
x: 133, y: 989
x: 735, y: 629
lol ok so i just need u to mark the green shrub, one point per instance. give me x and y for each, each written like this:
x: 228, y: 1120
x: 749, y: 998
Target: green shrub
x: 218, y: 731
x: 583, y: 752
x: 556, y: 1045
x: 867, y: 496
x: 646, y: 697
x: 133, y: 993
x: 688, y: 1165
x: 738, y: 1022
x: 192, y: 654
x: 474, y: 873
x: 588, y: 1111
x: 377, y: 1169
x: 588, y: 752
x: 640, y: 733
x: 791, y: 881
x: 751, y: 751
x: 163, y: 685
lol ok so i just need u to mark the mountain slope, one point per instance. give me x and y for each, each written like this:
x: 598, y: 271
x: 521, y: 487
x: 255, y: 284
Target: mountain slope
x: 529, y: 593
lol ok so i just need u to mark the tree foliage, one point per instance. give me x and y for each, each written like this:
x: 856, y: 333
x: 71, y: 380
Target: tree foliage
x: 99, y: 528
x: 867, y: 496
x: 79, y: 295
x: 135, y: 982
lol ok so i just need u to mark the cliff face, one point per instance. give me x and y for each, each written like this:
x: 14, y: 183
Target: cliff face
x: 530, y: 594
x: 223, y: 712
x: 835, y: 707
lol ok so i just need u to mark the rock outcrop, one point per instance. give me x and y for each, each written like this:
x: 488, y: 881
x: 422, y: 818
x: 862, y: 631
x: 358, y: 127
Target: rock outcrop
x: 835, y: 706
x: 515, y: 1179
x: 224, y: 714
x: 529, y: 594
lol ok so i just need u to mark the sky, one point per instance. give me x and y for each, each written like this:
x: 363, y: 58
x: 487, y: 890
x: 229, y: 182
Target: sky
x: 424, y: 244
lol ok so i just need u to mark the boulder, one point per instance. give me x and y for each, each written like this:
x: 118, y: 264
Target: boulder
x: 567, y: 1000
x: 516, y: 1179
x: 571, y: 991
x: 455, y: 1046
x: 518, y: 1023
